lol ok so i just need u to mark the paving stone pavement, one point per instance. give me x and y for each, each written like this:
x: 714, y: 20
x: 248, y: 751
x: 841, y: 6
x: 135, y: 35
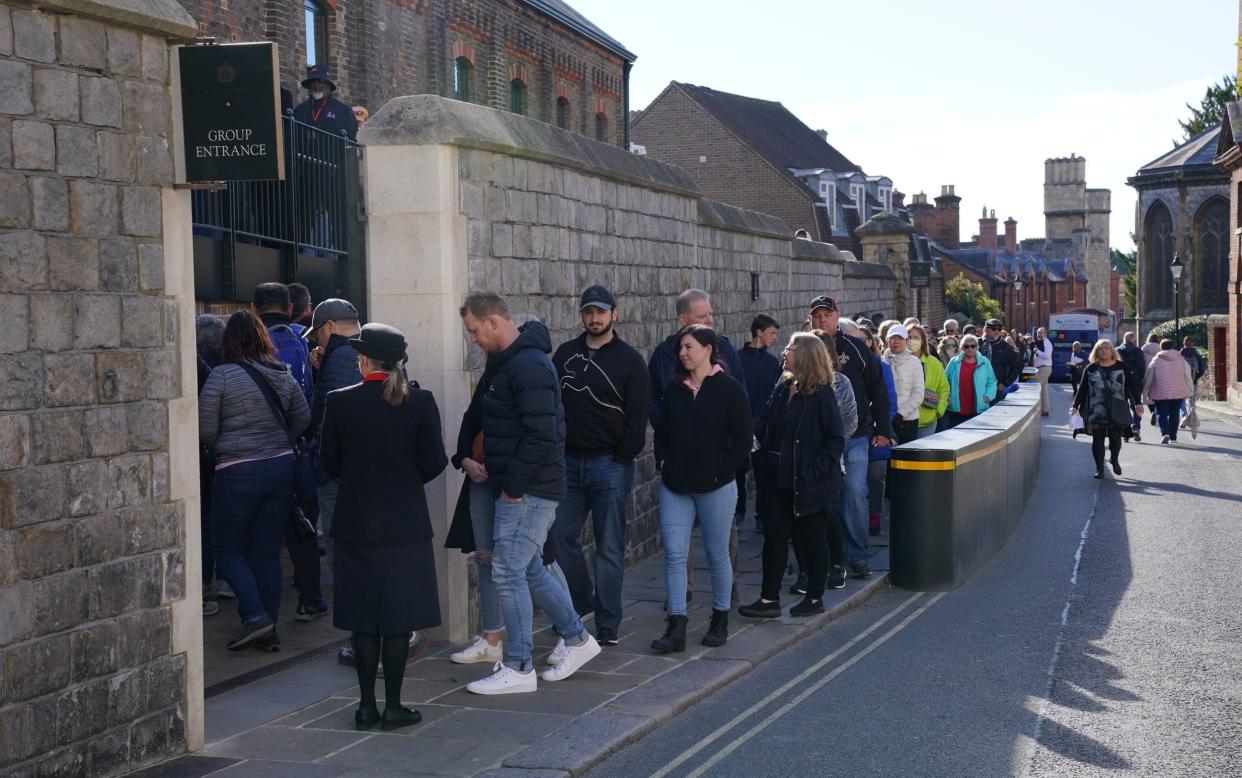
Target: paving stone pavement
x: 300, y: 722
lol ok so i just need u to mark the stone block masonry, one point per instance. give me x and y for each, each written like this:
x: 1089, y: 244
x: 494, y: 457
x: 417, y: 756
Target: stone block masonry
x: 461, y: 197
x: 92, y: 533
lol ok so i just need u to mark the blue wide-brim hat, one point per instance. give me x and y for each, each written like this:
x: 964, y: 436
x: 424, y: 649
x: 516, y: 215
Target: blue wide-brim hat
x: 318, y: 73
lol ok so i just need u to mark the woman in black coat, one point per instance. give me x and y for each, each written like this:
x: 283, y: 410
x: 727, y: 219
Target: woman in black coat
x: 801, y: 441
x: 1106, y: 396
x: 702, y: 437
x: 382, y: 439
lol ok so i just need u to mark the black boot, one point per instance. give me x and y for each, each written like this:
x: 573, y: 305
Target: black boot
x: 1116, y: 466
x: 1099, y: 470
x: 674, y: 637
x: 718, y: 631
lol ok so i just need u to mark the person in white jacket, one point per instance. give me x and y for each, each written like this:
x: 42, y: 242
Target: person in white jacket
x: 908, y: 378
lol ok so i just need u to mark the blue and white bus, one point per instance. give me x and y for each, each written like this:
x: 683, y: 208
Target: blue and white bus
x: 1085, y: 325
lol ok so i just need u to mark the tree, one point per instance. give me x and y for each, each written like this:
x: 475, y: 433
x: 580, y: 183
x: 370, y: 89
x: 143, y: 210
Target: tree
x: 1211, y: 108
x: 1126, y: 262
x: 969, y: 298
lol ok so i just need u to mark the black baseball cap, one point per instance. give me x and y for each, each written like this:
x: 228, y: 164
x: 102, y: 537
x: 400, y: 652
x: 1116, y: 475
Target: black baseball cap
x: 599, y: 297
x: 823, y: 301
x: 993, y: 324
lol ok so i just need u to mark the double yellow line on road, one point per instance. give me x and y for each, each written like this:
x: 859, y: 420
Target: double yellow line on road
x: 753, y: 710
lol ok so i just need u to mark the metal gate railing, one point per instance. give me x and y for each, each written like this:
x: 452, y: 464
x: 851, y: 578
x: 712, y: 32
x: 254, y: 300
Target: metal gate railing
x: 313, y: 213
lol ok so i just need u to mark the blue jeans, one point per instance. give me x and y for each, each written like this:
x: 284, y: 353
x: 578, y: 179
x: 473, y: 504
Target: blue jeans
x: 601, y: 486
x: 1169, y: 413
x: 715, y: 513
x: 521, y: 529
x: 250, y: 502
x: 854, y: 500
x: 482, y: 511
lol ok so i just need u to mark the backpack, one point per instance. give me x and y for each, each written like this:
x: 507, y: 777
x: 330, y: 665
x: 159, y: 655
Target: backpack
x: 291, y: 349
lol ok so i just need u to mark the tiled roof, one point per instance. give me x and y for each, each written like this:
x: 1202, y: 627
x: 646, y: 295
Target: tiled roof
x: 561, y: 11
x: 998, y: 263
x: 770, y: 129
x: 1196, y: 152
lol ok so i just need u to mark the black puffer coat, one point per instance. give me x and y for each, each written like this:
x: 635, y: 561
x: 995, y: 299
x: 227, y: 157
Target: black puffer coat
x: 812, y: 443
x: 523, y: 419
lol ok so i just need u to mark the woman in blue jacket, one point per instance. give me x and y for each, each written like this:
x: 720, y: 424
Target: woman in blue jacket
x: 972, y: 383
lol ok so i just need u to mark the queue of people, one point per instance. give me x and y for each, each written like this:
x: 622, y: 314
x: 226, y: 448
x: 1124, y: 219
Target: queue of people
x: 550, y: 438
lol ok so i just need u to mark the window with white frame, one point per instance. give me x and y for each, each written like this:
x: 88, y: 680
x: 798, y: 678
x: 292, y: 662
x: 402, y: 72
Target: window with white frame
x: 859, y: 193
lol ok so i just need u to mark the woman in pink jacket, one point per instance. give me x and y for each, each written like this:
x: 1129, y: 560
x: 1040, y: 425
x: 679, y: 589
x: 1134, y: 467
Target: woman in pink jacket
x: 1167, y: 384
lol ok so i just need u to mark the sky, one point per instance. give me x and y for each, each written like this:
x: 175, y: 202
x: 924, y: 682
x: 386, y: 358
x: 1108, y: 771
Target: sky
x: 974, y: 94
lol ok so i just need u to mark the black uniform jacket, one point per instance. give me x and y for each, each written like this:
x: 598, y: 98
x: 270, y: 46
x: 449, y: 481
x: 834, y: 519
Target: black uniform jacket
x: 382, y: 456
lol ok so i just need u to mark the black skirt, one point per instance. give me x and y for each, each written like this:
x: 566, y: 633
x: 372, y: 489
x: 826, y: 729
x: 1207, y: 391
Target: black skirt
x: 384, y: 589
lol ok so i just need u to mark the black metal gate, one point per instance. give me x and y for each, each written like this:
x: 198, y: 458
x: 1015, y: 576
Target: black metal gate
x: 306, y: 228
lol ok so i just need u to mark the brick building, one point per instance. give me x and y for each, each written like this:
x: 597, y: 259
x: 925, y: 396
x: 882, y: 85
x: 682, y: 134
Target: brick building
x: 756, y: 154
x: 540, y: 58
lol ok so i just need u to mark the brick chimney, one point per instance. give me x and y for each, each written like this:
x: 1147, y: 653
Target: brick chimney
x: 987, y: 230
x: 1011, y: 235
x: 922, y: 214
x: 948, y: 230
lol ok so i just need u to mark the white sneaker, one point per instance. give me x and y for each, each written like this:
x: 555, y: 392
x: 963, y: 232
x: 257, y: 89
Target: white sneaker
x: 479, y: 651
x: 553, y: 659
x: 505, y: 680
x: 575, y: 657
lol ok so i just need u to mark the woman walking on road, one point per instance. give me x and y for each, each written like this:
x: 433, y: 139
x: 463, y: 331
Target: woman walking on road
x: 972, y: 383
x: 1105, y: 398
x: 1167, y: 385
x: 252, y: 488
x: 703, y: 436
x: 381, y: 438
x: 801, y: 439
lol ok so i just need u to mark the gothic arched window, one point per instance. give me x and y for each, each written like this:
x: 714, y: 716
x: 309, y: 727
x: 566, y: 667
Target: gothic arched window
x: 1159, y: 238
x: 1212, y: 253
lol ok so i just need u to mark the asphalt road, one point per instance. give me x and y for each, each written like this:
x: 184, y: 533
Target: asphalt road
x: 1105, y: 639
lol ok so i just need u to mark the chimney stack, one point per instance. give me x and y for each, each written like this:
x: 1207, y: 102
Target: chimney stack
x: 948, y: 229
x: 1011, y: 235
x: 823, y: 135
x: 987, y: 230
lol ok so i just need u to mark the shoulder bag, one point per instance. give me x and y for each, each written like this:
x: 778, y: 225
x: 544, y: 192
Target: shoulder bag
x: 305, y: 490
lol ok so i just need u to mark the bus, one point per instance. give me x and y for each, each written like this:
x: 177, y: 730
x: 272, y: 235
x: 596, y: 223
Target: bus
x: 1085, y: 325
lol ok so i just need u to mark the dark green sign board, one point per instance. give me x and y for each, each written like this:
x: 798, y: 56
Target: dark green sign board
x: 229, y: 106
x: 920, y: 275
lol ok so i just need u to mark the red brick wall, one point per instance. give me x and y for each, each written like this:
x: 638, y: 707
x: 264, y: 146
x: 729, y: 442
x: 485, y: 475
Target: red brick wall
x: 676, y: 130
x: 380, y: 49
x: 940, y: 222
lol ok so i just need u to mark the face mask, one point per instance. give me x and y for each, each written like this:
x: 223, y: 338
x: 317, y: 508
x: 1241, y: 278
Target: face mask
x: 319, y: 94
x: 916, y: 344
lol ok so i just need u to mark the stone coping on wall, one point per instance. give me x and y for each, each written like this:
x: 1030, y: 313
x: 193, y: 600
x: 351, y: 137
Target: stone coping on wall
x: 166, y: 17
x: 430, y: 119
x: 809, y: 249
x: 868, y: 270
x: 713, y: 213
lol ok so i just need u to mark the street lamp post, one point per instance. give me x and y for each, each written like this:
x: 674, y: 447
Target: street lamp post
x: 1175, y: 269
x: 1017, y: 303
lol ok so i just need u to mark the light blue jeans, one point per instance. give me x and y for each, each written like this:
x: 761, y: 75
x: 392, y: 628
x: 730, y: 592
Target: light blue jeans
x: 482, y: 508
x: 715, y: 514
x: 854, y: 500
x: 520, y: 530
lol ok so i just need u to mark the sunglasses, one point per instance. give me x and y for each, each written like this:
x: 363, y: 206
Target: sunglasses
x: 971, y: 347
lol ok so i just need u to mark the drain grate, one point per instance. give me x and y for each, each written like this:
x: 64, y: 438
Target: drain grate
x: 268, y: 670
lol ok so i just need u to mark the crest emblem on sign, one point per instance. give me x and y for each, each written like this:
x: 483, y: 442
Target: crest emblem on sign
x: 226, y: 73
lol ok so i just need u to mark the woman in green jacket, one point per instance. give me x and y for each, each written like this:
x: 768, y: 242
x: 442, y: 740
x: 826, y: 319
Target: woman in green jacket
x: 935, y: 385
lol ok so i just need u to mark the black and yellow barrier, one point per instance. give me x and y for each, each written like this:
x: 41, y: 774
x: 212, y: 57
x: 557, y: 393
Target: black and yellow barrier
x: 956, y: 496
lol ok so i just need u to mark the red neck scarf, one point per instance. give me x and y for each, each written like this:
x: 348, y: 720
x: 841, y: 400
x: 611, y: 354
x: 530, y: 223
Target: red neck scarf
x: 378, y: 375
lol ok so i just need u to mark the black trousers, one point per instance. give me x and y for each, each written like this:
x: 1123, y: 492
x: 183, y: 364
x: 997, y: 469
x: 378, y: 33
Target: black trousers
x: 907, y: 430
x: 1098, y: 433
x: 809, y: 531
x: 304, y: 554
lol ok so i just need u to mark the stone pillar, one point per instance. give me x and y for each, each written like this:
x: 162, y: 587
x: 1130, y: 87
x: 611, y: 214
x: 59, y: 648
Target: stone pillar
x: 100, y: 604
x: 885, y: 240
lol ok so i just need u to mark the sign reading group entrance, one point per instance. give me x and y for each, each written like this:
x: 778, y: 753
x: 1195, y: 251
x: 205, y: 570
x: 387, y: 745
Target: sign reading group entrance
x: 229, y: 106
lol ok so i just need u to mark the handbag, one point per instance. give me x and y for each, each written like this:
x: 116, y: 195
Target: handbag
x: 931, y: 399
x: 305, y: 512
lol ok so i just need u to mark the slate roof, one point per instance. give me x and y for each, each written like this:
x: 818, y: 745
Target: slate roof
x: 1196, y: 152
x: 1003, y: 263
x: 561, y: 11
x: 770, y: 129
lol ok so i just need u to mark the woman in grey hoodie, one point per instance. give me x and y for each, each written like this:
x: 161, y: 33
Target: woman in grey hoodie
x: 252, y: 491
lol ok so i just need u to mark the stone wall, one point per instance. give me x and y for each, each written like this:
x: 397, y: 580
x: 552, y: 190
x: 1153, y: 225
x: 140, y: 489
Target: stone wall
x: 95, y: 657
x: 461, y: 197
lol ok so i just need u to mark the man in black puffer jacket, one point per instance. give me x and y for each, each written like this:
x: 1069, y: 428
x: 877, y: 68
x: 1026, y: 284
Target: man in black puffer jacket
x: 524, y: 466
